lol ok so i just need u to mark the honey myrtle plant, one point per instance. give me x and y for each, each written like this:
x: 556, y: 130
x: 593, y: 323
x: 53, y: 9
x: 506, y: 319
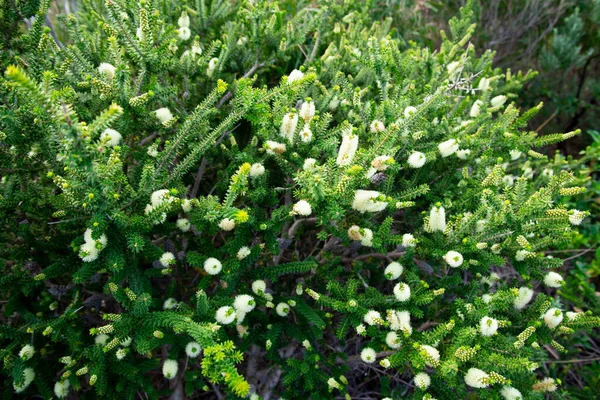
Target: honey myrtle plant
x: 273, y: 199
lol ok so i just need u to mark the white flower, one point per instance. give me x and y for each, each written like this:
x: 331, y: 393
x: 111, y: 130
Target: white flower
x: 169, y: 304
x: 393, y: 270
x: 186, y: 205
x: 161, y: 197
x: 372, y: 317
x: 408, y: 111
x: 183, y: 224
x: 545, y: 385
x: 484, y: 84
x: 88, y: 252
x: 476, y: 108
x: 121, y: 353
x: 333, y: 384
x: 361, y: 329
x: 167, y: 259
x: 212, y: 266
x: 101, y: 339
x: 408, y: 240
x: 477, y: 378
x: 275, y: 147
x: 463, y: 154
x: 381, y: 163
x: 257, y: 170
x: 487, y: 298
x: 367, y: 238
x: 107, y: 70
x: 510, y: 393
x: 498, y: 101
x: 416, y: 159
x: 354, y: 233
x: 522, y: 254
x: 399, y: 320
x: 480, y: 225
x: 170, y: 368
x: 572, y: 316
x: 288, y: 126
x: 448, y: 147
x: 515, y: 154
x: 282, y: 309
x: 302, y: 208
x: 259, y: 287
x: 309, y: 163
x: 307, y: 110
x: 377, y: 126
x: 553, y: 317
x: 294, y: 76
x: 61, y: 389
x: 508, y: 180
x: 28, y: 377
x: 525, y: 295
x: 422, y: 380
x: 453, y: 69
x: 368, y: 355
x: 306, y: 133
x: 385, y: 363
x: 163, y: 114
x: 184, y: 20
x: 243, y: 252
x: 453, y: 258
x: 27, y: 352
x: 347, y: 148
x: 402, y: 291
x: 184, y: 33
x: 227, y: 224
x: 488, y: 326
x: 244, y: 303
x: 433, y: 354
x: 127, y: 341
x: 553, y: 280
x: 577, y: 217
x: 212, y: 65
x: 192, y: 349
x: 437, y: 219
x: 392, y: 340
x: 225, y: 315
x: 368, y: 200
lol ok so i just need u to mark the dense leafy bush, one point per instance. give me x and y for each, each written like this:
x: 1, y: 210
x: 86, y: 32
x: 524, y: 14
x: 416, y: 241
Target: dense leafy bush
x: 279, y: 200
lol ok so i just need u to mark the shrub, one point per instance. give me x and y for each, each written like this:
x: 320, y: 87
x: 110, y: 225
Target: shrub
x: 282, y: 185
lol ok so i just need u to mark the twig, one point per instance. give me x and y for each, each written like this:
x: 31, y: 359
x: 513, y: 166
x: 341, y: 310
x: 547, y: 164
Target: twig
x: 199, y: 176
x: 296, y: 225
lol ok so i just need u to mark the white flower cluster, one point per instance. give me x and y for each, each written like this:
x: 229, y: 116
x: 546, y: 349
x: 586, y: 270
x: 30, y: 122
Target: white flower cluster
x: 348, y: 147
x: 170, y: 369
x: 159, y: 199
x: 107, y: 69
x: 91, y: 248
x: 399, y: 321
x: 167, y: 259
x: 369, y: 201
x: 437, y: 218
x: 364, y: 235
x: 477, y: 378
x: 110, y: 137
x: 28, y: 377
x: 184, y: 27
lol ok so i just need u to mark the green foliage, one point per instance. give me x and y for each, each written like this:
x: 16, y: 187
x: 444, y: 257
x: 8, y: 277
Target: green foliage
x: 253, y: 179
